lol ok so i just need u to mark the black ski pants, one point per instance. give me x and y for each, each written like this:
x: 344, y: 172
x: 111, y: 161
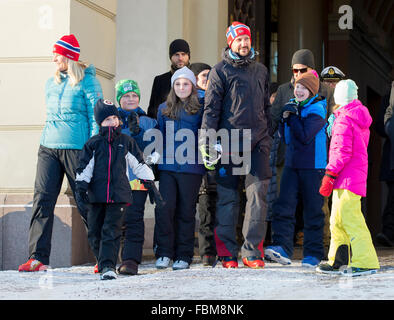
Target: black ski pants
x: 52, y: 165
x: 134, y: 227
x: 104, y: 232
x: 175, y: 222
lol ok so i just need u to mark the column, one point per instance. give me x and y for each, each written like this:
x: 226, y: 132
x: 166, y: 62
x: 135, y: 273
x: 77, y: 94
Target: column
x: 300, y: 27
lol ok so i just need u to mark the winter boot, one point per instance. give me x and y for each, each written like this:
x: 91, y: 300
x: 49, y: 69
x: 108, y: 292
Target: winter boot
x: 229, y: 262
x: 277, y: 254
x: 327, y: 269
x: 163, y: 262
x: 310, y: 262
x: 95, y: 269
x: 108, y: 274
x: 32, y: 265
x: 128, y: 267
x: 253, y: 262
x: 180, y: 265
x: 208, y: 261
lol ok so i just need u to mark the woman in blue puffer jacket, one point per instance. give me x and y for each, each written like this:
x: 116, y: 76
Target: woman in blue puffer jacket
x: 70, y: 98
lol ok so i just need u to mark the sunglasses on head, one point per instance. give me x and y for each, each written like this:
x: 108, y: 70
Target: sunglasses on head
x: 303, y: 70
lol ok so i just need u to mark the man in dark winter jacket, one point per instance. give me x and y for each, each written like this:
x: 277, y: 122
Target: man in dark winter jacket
x: 237, y: 100
x: 179, y: 53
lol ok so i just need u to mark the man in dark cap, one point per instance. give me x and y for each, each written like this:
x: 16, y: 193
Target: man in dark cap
x: 179, y: 53
x: 302, y: 61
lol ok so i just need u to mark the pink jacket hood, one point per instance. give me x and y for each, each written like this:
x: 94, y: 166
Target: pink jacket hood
x: 357, y: 112
x: 348, y: 156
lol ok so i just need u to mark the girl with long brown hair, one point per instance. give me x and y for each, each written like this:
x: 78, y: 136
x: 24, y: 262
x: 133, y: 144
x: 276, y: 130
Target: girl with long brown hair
x: 179, y: 119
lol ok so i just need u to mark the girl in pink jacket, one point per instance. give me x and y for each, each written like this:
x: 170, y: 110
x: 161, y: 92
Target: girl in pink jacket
x: 346, y: 177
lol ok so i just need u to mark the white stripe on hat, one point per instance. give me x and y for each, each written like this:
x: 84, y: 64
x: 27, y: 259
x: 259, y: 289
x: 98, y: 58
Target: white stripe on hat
x: 68, y: 46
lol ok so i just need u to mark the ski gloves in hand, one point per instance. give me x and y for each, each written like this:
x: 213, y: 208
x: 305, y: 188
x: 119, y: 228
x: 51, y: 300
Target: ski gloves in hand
x: 288, y: 109
x: 81, y: 195
x: 134, y: 123
x: 154, y: 194
x: 211, y: 155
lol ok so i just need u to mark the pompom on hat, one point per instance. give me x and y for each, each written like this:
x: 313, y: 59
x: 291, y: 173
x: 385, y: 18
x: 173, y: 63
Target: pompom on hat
x: 103, y: 109
x: 236, y: 29
x: 184, y: 73
x: 67, y: 46
x: 345, y: 92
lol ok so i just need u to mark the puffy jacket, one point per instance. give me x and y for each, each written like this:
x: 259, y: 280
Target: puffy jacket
x: 103, y: 166
x: 185, y: 121
x: 70, y: 119
x: 348, y: 154
x: 146, y: 123
x: 238, y: 97
x: 305, y: 136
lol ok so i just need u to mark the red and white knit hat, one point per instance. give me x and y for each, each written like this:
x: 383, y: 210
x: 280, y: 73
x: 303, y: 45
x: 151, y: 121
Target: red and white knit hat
x: 236, y: 29
x: 67, y: 46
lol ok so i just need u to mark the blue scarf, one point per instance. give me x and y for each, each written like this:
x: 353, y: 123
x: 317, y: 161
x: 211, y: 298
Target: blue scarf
x: 236, y: 56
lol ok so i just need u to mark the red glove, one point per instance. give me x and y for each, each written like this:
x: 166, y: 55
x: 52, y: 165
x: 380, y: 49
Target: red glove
x: 327, y: 183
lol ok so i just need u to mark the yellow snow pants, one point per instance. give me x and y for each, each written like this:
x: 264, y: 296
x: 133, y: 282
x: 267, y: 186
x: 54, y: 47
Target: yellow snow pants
x: 348, y: 227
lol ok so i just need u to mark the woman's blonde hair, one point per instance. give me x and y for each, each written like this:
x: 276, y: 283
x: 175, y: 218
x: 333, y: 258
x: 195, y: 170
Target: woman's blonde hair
x: 75, y: 70
x: 174, y: 105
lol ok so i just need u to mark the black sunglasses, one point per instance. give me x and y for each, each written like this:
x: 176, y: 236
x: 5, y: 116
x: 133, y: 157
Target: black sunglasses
x: 303, y: 70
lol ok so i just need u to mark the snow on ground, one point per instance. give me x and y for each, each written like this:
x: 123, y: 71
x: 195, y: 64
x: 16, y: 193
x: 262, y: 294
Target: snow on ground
x: 274, y: 282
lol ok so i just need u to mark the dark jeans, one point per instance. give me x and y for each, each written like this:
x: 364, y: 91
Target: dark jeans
x: 52, y: 165
x: 134, y: 228
x: 388, y: 213
x: 305, y: 182
x: 104, y: 232
x: 175, y: 222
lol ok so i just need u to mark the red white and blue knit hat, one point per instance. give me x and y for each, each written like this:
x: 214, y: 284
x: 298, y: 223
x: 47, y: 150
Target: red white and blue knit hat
x: 236, y: 29
x: 67, y: 46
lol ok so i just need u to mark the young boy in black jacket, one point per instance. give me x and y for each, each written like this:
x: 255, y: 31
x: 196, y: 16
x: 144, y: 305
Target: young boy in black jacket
x: 102, y: 181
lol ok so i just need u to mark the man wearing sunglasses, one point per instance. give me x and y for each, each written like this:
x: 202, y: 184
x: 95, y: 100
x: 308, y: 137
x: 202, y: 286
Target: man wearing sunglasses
x: 302, y: 61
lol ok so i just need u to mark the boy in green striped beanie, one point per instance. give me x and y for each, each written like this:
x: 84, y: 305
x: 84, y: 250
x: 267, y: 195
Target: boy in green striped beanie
x: 128, y: 94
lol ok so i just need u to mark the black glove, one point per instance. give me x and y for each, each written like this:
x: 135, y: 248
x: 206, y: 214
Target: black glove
x: 134, y: 123
x: 291, y: 108
x: 81, y: 195
x: 154, y: 194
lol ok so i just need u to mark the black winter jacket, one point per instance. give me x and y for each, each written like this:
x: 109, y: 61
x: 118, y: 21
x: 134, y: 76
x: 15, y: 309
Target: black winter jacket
x: 160, y: 89
x: 238, y: 97
x: 103, y: 166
